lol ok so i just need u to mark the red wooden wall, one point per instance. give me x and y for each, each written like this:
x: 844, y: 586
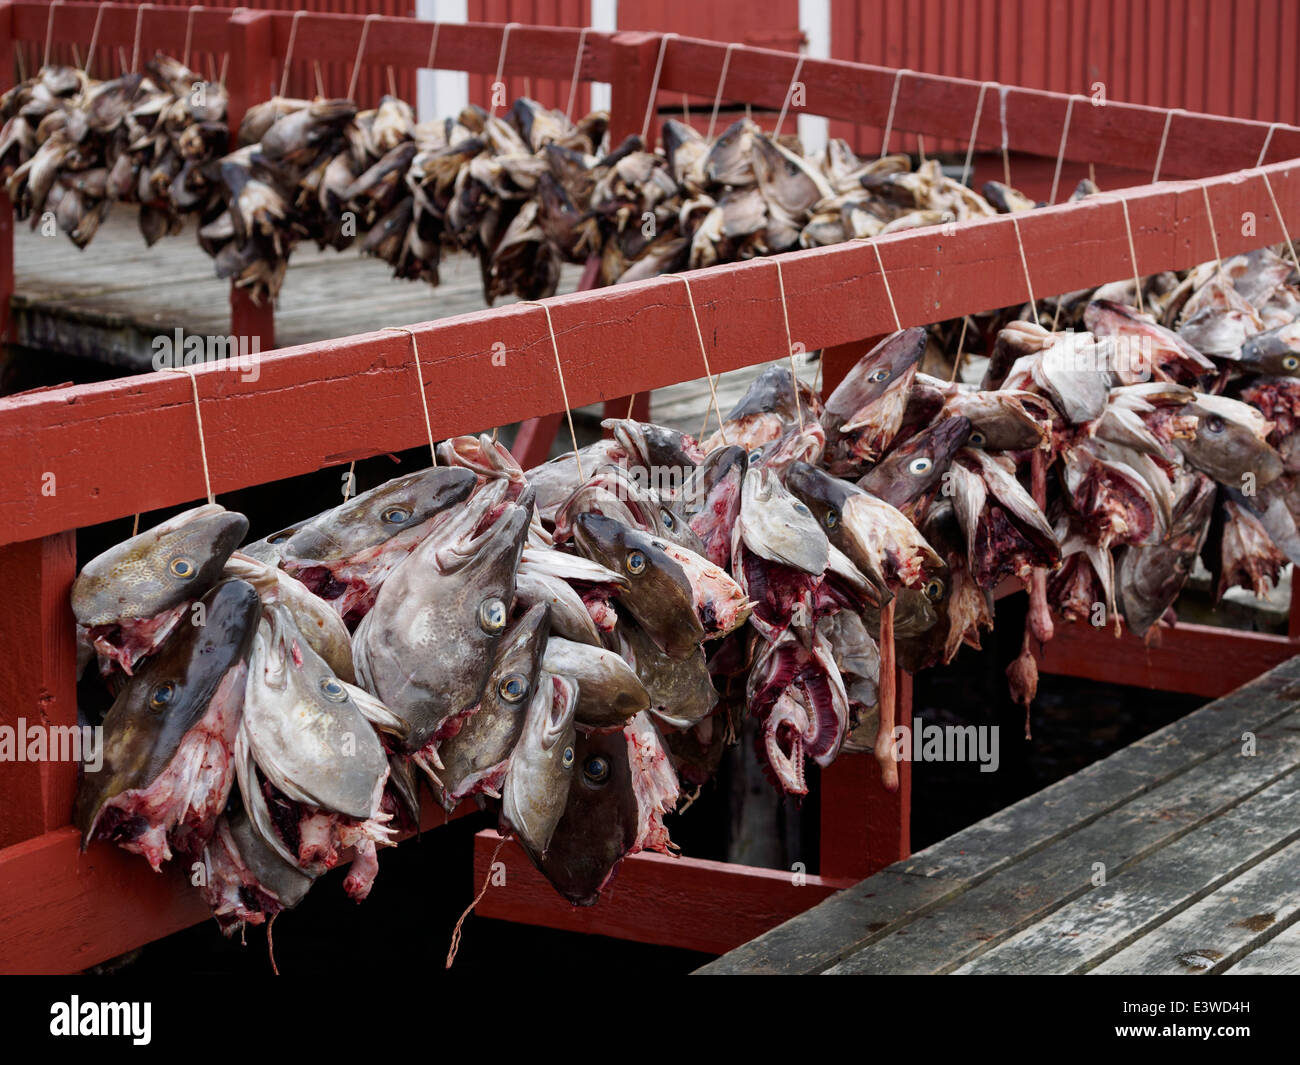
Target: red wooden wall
x: 1232, y: 57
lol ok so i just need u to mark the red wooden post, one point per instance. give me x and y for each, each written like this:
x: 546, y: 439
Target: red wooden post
x: 249, y: 82
x: 6, y: 208
x: 37, y: 684
x: 635, y: 56
x: 863, y: 827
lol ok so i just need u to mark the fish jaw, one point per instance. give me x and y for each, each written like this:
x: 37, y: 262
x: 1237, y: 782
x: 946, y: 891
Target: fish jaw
x: 782, y: 739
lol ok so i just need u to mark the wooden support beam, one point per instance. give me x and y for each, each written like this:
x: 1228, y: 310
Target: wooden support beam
x: 1195, y: 659
x: 680, y: 902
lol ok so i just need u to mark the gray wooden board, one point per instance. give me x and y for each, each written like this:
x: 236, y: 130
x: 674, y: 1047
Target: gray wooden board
x: 1035, y: 886
x: 880, y: 905
x: 1280, y: 956
x: 1222, y: 928
x: 1111, y: 916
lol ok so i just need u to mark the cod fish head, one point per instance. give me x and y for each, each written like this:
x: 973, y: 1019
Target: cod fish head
x: 159, y: 569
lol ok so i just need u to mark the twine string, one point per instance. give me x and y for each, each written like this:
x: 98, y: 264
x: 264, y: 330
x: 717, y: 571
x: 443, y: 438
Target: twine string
x: 1024, y: 265
x: 974, y: 130
x: 577, y: 69
x: 654, y: 87
x: 94, y: 38
x: 288, y: 51
x: 961, y: 348
x: 1280, y: 220
x: 419, y: 380
x: 789, y: 95
x: 893, y: 103
x: 487, y: 881
x: 135, y: 47
x: 49, y: 32
x: 1060, y: 151
x: 789, y: 343
x: 1164, y: 139
x: 433, y: 47
x: 501, y: 62
x: 1003, y: 92
x: 1132, y: 253
x: 704, y: 354
x: 188, y: 371
x: 564, y: 391
x: 1268, y: 139
x: 1214, y: 236
x: 356, y: 63
x: 717, y: 96
x: 189, y: 33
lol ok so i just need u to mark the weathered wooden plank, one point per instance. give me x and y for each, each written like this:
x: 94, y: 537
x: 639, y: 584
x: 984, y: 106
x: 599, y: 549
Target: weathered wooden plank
x: 1222, y: 929
x: 1040, y: 883
x: 1113, y: 915
x: 868, y: 911
x: 1280, y: 956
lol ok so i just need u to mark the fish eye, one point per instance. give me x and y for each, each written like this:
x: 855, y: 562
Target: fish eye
x: 755, y: 456
x: 976, y: 439
x: 920, y: 465
x: 800, y: 508
x: 878, y: 375
x: 280, y: 537
x: 635, y: 563
x: 513, y: 688
x: 566, y: 759
x: 332, y: 690
x: 832, y: 519
x: 492, y: 616
x: 161, y: 697
x: 183, y: 568
x: 395, y: 515
x: 670, y: 522
x: 933, y: 589
x: 1214, y: 424
x: 596, y: 769
x: 1290, y: 362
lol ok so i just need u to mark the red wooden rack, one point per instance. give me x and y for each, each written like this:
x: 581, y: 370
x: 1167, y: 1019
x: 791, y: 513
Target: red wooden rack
x: 78, y: 456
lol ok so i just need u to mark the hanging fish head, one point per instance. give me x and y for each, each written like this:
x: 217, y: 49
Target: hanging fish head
x: 911, y: 473
x: 542, y: 767
x: 129, y: 598
x: 1231, y: 442
x: 778, y: 526
x: 308, y: 731
x: 344, y: 554
x: 168, y: 733
x: 475, y: 758
x: 864, y: 412
x: 426, y: 647
x: 659, y: 593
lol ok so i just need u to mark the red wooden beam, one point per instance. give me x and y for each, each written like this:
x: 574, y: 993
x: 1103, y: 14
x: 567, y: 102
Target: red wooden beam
x: 62, y: 911
x: 1196, y: 659
x: 680, y: 902
x: 939, y: 106
x: 38, y: 685
x: 333, y: 401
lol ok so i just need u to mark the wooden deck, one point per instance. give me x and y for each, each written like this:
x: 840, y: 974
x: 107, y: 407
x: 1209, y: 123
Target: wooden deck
x: 109, y: 302
x: 1199, y: 844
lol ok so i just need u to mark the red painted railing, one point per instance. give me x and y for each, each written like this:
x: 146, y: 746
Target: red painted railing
x: 82, y: 455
